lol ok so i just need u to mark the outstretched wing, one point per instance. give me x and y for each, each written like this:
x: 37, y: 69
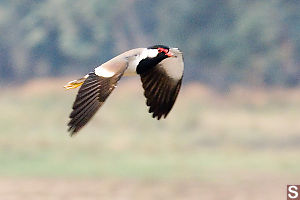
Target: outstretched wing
x: 162, y: 84
x: 91, y: 96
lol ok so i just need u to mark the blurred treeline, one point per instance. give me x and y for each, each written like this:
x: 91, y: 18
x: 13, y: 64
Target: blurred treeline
x: 249, y: 42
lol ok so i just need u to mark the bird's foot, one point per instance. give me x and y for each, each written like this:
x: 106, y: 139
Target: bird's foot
x: 74, y: 84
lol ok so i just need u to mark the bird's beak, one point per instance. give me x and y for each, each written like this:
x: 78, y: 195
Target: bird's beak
x: 170, y: 54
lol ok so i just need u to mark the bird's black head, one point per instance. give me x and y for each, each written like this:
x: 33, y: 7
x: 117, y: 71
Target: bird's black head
x: 163, y: 51
x: 159, y: 46
x: 149, y: 62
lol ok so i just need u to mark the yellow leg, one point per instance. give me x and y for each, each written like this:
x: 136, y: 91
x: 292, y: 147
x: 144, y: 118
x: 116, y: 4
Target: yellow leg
x: 75, y: 83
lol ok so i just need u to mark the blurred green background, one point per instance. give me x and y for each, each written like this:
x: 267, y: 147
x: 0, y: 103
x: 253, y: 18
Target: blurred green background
x: 225, y: 42
x: 233, y: 133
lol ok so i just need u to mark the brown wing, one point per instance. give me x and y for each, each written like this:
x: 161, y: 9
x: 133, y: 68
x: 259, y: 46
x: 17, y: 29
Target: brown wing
x: 161, y: 91
x: 91, y: 96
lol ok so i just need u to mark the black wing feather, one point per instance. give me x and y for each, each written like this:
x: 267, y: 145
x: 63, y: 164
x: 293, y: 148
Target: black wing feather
x: 161, y: 91
x: 91, y: 96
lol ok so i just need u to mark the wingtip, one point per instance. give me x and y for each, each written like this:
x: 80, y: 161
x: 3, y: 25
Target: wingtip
x: 72, y: 131
x: 156, y: 116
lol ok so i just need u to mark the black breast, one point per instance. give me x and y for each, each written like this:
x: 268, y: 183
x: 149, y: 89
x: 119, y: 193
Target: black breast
x: 148, y: 63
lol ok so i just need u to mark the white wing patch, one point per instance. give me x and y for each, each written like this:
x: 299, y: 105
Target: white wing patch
x: 101, y: 71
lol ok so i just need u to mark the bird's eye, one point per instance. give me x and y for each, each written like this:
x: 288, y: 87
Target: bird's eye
x: 162, y: 50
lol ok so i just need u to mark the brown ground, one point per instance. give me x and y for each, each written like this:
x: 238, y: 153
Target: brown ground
x: 271, y: 117
x: 59, y: 189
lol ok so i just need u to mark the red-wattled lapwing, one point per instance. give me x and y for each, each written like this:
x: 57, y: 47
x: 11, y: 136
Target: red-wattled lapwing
x: 161, y: 72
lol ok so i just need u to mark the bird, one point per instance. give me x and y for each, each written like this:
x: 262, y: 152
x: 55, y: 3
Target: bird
x: 160, y: 69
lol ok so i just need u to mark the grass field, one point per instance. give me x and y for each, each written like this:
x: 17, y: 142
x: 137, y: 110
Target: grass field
x: 244, y: 144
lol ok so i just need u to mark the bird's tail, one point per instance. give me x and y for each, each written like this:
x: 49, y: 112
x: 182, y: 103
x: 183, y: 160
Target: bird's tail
x: 75, y: 83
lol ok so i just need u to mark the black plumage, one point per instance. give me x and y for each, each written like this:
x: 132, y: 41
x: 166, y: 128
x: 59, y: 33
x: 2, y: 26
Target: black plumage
x: 160, y: 90
x: 91, y: 96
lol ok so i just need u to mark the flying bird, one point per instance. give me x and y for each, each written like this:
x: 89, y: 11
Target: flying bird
x: 159, y: 67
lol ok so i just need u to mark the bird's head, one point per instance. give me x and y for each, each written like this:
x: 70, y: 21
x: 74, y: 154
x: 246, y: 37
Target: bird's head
x: 152, y: 56
x: 162, y: 51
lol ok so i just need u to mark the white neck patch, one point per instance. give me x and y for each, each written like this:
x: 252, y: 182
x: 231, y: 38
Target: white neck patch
x: 146, y: 53
x: 151, y: 53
